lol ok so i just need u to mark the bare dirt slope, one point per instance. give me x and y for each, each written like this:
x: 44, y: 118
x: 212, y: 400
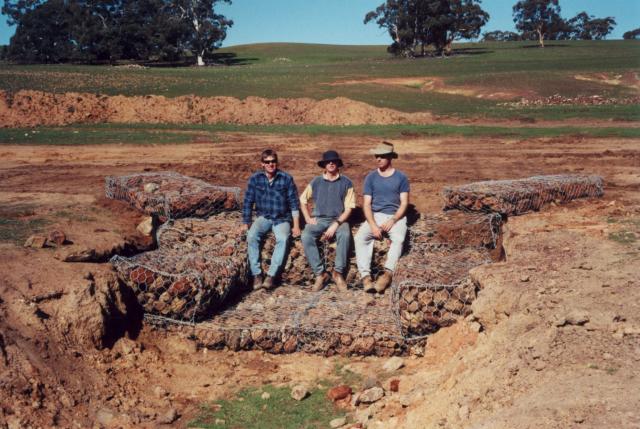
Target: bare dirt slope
x: 559, y: 340
x: 29, y: 108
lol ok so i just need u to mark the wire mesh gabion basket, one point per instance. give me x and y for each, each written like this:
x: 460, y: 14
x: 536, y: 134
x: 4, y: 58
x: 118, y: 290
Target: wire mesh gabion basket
x: 171, y: 195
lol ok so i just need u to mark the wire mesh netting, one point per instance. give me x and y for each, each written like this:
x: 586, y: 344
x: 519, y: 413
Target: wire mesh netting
x: 191, y: 234
x: 433, y: 289
x: 292, y: 318
x: 514, y: 197
x: 455, y: 229
x: 431, y: 286
x: 199, y: 274
x: 170, y: 195
x: 200, y: 261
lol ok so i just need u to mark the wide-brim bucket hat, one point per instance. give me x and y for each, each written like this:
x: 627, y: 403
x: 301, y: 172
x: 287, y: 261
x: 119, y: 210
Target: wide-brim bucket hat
x: 330, y: 155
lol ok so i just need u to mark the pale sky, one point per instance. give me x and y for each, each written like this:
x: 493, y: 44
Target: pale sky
x: 340, y: 21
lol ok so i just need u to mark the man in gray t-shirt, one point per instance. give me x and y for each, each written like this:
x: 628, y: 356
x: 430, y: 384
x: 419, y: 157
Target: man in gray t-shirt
x: 386, y: 197
x: 333, y: 199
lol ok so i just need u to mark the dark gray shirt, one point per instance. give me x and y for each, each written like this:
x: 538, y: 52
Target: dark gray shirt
x: 329, y: 197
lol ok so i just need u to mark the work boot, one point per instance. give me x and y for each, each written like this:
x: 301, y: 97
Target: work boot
x: 268, y: 283
x: 339, y: 280
x: 257, y: 282
x: 321, y: 279
x: 383, y: 281
x: 367, y: 284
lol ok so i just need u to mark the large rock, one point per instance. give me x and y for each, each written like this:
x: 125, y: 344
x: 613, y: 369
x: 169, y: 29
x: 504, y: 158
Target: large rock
x: 339, y: 392
x: 393, y: 364
x: 372, y: 395
x: 299, y: 392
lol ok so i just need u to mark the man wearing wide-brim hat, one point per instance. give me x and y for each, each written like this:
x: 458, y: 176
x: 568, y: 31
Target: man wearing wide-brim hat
x: 386, y: 198
x: 333, y: 199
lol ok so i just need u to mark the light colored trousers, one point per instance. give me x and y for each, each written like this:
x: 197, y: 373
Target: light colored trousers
x: 364, y: 243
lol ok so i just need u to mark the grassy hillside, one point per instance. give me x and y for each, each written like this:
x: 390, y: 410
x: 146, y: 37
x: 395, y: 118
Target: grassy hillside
x: 303, y: 70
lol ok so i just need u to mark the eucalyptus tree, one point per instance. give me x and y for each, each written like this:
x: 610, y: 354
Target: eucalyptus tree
x: 539, y: 17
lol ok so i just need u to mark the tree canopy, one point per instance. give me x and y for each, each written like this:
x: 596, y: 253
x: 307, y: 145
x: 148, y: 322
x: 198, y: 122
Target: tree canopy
x: 416, y: 24
x: 539, y: 17
x: 500, y: 36
x: 588, y: 27
x: 540, y: 20
x: 632, y: 34
x: 94, y: 31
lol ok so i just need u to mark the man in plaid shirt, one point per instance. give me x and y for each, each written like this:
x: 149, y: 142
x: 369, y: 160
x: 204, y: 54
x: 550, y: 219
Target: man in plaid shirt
x: 274, y: 196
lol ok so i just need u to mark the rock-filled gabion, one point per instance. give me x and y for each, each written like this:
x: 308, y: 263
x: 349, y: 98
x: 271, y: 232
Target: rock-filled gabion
x: 291, y: 318
x: 453, y: 229
x: 185, y: 289
x: 200, y: 261
x: 189, y: 276
x: 433, y: 290
x: 431, y: 286
x: 514, y: 197
x: 192, y: 234
x: 441, y: 249
x: 170, y: 195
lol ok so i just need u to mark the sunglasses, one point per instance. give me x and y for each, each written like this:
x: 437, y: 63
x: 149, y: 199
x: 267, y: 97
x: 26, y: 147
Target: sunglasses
x: 382, y: 156
x: 269, y: 161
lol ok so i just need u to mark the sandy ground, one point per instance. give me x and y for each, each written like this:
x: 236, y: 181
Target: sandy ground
x: 559, y: 326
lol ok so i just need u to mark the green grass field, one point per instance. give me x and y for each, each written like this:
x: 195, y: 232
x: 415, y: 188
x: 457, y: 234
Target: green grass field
x: 250, y: 410
x: 179, y: 134
x: 303, y: 70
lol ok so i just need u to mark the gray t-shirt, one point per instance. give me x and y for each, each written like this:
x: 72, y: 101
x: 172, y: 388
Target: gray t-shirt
x: 329, y: 196
x: 385, y: 191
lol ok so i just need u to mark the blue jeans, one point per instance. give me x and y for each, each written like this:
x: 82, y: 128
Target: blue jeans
x: 310, y: 236
x: 260, y: 227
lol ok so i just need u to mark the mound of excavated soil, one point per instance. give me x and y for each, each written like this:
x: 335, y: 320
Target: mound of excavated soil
x: 31, y: 108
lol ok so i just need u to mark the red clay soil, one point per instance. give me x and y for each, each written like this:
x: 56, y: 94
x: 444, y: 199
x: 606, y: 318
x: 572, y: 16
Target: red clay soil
x: 553, y: 340
x: 36, y: 108
x: 30, y: 108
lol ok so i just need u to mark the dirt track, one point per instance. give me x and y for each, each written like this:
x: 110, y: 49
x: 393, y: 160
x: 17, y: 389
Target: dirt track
x: 527, y: 368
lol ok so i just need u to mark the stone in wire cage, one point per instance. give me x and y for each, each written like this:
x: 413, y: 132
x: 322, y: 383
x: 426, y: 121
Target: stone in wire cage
x: 434, y: 290
x: 191, y: 273
x: 431, y: 286
x: 192, y: 234
x: 292, y: 318
x: 182, y: 287
x: 171, y: 195
x: 514, y: 197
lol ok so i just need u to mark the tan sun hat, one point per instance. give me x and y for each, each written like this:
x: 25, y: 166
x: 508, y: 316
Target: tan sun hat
x: 384, y: 148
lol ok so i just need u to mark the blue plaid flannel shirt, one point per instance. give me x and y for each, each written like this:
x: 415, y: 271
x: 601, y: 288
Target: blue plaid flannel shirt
x: 275, y: 201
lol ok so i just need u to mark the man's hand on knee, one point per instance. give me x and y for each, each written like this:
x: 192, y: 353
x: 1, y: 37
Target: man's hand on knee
x: 388, y: 224
x: 330, y: 232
